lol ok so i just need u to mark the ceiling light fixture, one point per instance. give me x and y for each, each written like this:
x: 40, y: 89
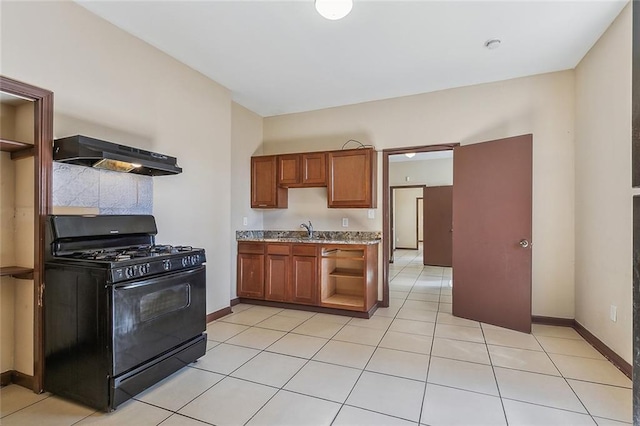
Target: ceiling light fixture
x: 492, y: 44
x: 334, y: 9
x: 410, y: 154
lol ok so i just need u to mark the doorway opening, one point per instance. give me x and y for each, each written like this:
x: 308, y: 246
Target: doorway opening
x: 387, y: 242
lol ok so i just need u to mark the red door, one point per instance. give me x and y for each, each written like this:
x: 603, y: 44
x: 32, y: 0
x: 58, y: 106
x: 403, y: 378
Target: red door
x: 492, y: 191
x: 437, y: 217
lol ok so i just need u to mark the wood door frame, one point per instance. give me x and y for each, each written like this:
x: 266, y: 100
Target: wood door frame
x: 392, y: 233
x: 43, y: 164
x: 386, y: 206
x: 418, y: 240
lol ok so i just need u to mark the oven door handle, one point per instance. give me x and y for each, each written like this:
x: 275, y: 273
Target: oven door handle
x: 143, y: 281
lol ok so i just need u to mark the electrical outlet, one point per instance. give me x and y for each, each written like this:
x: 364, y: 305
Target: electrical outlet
x: 371, y: 214
x: 245, y: 221
x: 345, y: 222
x: 613, y: 313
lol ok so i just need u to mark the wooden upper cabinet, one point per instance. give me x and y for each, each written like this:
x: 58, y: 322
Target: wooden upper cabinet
x: 289, y: 169
x: 265, y: 192
x: 349, y: 175
x: 352, y: 178
x: 314, y: 169
x: 302, y: 170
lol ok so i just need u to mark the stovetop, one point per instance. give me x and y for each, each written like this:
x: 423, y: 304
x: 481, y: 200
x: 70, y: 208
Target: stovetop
x: 138, y: 252
x: 134, y: 262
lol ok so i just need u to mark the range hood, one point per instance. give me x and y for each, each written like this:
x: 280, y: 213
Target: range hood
x: 90, y: 152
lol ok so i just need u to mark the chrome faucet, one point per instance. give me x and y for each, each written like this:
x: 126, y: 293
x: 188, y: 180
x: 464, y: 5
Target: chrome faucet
x: 309, y: 229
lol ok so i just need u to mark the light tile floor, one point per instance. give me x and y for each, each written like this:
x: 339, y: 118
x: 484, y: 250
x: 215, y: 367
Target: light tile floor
x: 412, y: 363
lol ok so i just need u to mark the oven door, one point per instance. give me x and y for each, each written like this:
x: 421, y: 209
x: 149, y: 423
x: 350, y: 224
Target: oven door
x: 153, y: 316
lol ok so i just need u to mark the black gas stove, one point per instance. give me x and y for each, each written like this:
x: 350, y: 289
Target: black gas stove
x: 121, y: 312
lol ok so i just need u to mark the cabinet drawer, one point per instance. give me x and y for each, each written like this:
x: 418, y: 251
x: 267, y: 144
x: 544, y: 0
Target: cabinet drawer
x: 251, y: 248
x: 283, y: 249
x: 304, y: 250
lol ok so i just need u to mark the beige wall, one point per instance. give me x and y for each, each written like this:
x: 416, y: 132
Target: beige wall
x: 436, y: 172
x: 405, y: 216
x: 603, y: 187
x: 246, y: 140
x: 117, y: 81
x: 7, y: 122
x: 542, y: 105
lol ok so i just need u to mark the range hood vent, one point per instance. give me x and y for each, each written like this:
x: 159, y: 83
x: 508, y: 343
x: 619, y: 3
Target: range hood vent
x: 90, y: 152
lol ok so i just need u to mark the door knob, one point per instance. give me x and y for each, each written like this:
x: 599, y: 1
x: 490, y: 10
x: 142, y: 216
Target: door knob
x: 524, y: 243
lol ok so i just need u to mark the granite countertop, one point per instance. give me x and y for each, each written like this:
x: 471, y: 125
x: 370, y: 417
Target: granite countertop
x: 319, y: 237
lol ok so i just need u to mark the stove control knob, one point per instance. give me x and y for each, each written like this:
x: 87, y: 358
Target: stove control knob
x: 144, y: 269
x: 129, y: 272
x: 194, y: 260
x: 166, y: 264
x: 185, y: 261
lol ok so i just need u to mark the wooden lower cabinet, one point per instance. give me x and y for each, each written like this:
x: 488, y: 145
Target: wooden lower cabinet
x: 332, y: 276
x: 304, y: 281
x: 250, y: 270
x: 251, y: 275
x: 277, y: 277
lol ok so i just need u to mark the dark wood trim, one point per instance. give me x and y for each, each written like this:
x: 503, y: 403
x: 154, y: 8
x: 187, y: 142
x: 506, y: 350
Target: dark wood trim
x: 235, y: 301
x: 615, y: 359
x: 20, y: 379
x: 17, y: 272
x: 5, y: 378
x: 43, y: 164
x: 309, y: 308
x: 17, y: 149
x: 386, y: 209
x: 23, y: 380
x: 636, y: 273
x: 562, y: 322
x: 418, y: 240
x: 23, y: 153
x: 606, y: 351
x: 218, y: 314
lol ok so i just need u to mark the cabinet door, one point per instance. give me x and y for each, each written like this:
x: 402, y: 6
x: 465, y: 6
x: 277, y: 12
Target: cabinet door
x: 289, y: 169
x: 352, y: 178
x: 265, y: 192
x: 251, y: 275
x: 304, y: 280
x: 277, y: 278
x: 314, y: 169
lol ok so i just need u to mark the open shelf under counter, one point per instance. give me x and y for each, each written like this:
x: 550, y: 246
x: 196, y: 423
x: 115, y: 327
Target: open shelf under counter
x: 347, y: 273
x: 343, y: 253
x: 344, y: 301
x: 17, y: 149
x: 17, y: 272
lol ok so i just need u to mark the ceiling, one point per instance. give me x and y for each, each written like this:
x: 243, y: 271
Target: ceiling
x: 279, y: 57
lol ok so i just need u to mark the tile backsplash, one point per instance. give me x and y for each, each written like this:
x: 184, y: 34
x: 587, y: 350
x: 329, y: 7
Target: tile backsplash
x: 109, y: 192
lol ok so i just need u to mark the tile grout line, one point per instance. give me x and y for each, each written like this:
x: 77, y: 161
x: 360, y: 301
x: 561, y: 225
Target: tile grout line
x: 565, y: 379
x: 495, y: 378
x: 433, y: 339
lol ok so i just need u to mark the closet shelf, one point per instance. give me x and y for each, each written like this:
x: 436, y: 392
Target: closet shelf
x: 17, y: 272
x: 17, y: 149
